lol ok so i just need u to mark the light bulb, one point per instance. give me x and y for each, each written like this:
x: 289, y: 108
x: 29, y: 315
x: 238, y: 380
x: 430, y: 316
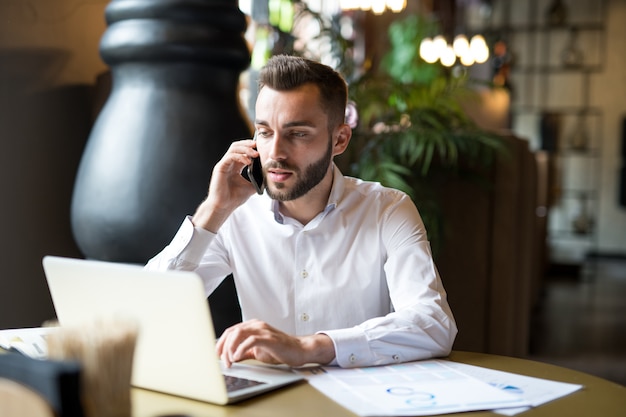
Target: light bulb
x: 483, y: 56
x: 365, y: 4
x: 378, y: 6
x: 396, y: 6
x: 448, y: 57
x: 479, y: 49
x: 467, y: 58
x: 460, y: 45
x: 349, y: 4
x: 440, y: 44
x: 427, y: 51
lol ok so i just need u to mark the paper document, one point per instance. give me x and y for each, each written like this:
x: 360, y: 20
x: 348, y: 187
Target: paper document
x: 411, y: 389
x: 27, y: 341
x: 535, y: 390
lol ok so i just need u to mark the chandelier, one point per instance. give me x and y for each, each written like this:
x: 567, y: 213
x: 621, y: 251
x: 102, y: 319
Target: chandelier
x: 376, y: 6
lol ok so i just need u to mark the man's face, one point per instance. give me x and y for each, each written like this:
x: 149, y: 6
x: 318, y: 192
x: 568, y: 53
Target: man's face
x: 293, y: 141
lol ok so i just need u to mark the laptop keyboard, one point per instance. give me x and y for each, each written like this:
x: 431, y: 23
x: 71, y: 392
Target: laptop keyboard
x: 234, y: 383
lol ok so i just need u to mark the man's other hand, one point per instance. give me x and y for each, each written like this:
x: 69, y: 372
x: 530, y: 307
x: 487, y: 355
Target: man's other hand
x: 255, y: 339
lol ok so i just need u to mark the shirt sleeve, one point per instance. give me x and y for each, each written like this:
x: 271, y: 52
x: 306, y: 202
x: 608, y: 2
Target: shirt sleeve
x: 398, y: 337
x: 186, y: 249
x: 422, y: 325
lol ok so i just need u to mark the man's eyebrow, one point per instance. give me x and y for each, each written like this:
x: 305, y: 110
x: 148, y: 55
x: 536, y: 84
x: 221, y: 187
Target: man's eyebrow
x: 299, y: 123
x: 296, y: 123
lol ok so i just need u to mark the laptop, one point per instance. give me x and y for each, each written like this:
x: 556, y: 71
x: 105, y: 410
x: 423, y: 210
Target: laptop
x: 175, y: 351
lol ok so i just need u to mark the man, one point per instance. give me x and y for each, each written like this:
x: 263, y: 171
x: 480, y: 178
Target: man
x: 328, y: 269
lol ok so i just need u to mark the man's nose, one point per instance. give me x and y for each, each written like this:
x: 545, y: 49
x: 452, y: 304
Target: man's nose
x: 278, y: 150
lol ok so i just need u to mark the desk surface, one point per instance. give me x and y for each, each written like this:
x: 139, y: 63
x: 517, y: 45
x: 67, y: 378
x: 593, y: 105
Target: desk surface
x: 599, y: 397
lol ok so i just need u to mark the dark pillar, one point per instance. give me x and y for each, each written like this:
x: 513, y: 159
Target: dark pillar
x: 171, y: 114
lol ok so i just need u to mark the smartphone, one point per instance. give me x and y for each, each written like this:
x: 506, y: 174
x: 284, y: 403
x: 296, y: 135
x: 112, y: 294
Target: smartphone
x: 254, y: 173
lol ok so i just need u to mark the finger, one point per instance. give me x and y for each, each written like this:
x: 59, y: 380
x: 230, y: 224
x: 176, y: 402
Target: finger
x: 266, y: 344
x: 233, y: 162
x: 227, y: 363
x: 242, y: 355
x: 247, y: 349
x: 219, y: 346
x: 240, y: 342
x: 225, y: 356
x: 233, y: 337
x: 227, y: 344
x: 246, y: 147
x: 224, y: 346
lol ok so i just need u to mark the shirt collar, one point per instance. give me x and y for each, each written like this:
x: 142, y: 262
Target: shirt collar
x: 336, y: 192
x: 333, y: 199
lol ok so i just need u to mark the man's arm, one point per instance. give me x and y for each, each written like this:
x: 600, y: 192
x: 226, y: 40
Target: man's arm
x: 422, y: 325
x: 227, y: 191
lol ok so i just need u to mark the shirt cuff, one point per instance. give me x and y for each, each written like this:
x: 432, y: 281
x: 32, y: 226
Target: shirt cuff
x: 190, y: 242
x: 351, y: 347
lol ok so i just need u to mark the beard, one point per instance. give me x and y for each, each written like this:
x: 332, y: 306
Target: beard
x: 307, y: 179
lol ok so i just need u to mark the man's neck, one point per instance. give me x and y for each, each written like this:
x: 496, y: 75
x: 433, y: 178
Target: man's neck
x: 307, y: 207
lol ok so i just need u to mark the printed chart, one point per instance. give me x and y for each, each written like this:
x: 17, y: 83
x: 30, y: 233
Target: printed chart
x: 411, y: 389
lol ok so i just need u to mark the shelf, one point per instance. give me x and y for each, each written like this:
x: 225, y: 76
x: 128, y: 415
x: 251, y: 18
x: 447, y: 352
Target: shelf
x: 576, y: 192
x: 575, y: 110
x: 571, y: 235
x: 542, y: 27
x: 546, y: 86
x: 589, y: 153
x: 554, y: 69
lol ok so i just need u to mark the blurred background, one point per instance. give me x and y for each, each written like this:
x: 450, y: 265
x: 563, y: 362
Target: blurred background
x: 504, y: 120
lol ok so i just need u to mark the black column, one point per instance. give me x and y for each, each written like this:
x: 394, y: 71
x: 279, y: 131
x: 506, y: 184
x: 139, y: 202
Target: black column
x: 171, y: 114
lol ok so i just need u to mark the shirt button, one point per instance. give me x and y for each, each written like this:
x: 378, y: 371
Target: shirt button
x: 304, y: 273
x: 304, y: 317
x: 352, y: 358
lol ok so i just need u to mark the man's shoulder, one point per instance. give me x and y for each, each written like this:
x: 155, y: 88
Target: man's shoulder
x: 371, y: 189
x: 372, y: 195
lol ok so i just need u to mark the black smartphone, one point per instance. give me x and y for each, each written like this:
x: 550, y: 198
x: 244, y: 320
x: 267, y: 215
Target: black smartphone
x: 254, y: 173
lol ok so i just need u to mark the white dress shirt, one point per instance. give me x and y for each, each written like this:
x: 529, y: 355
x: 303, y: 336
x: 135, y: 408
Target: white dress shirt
x: 360, y: 272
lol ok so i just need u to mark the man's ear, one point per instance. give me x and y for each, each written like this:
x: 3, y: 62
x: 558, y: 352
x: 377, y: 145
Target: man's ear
x: 341, y: 138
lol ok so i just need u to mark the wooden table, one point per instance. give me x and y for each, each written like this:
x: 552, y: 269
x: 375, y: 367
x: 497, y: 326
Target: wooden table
x: 599, y: 397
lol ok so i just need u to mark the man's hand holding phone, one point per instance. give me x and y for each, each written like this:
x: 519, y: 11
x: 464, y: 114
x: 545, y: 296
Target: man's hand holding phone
x: 254, y: 173
x: 228, y: 188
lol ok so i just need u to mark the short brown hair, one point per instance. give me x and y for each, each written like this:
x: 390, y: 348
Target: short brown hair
x: 286, y: 72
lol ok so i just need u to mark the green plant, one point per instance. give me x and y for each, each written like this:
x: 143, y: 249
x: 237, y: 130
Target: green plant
x: 410, y: 126
x: 402, y: 61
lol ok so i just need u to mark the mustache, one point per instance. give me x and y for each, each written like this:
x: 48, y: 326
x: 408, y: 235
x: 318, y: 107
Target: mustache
x: 279, y: 165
